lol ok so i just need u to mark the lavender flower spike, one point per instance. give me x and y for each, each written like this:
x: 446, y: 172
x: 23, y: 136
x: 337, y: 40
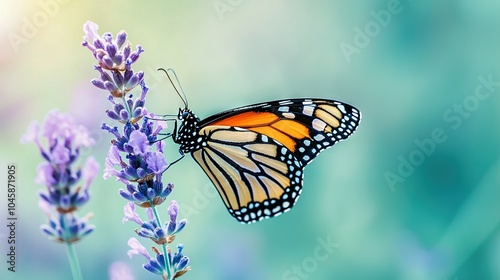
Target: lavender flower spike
x: 136, y: 156
x: 64, y: 139
x: 114, y: 55
x: 59, y: 140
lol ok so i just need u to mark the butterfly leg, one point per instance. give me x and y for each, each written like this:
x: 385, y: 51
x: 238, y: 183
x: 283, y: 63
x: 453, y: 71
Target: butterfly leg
x: 175, y: 161
x: 165, y: 136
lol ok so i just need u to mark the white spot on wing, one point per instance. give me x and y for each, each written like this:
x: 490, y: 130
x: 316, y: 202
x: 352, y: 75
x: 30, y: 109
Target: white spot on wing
x: 319, y: 137
x: 318, y: 124
x: 308, y: 110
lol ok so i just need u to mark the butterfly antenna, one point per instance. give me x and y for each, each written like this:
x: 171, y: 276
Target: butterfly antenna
x: 183, y: 96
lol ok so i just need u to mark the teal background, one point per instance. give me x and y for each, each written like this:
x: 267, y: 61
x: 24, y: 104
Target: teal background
x: 438, y: 220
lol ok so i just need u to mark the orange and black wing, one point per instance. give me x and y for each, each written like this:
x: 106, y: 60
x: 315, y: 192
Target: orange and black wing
x: 255, y: 155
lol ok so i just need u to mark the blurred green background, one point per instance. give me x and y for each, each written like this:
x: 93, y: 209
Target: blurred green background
x: 413, y: 76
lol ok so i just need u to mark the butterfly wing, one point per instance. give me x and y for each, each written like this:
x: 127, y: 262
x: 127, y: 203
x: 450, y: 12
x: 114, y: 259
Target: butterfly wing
x: 255, y: 155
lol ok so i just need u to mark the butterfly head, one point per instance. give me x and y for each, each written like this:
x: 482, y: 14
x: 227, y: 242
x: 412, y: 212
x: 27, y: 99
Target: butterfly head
x: 187, y: 135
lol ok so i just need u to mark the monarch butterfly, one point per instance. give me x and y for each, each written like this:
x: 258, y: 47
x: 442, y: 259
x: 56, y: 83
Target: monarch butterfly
x: 255, y: 155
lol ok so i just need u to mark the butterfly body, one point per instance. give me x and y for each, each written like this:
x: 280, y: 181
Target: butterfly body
x: 187, y: 136
x: 255, y: 155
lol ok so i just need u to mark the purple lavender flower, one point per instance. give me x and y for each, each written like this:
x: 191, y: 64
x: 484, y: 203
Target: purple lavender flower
x: 61, y: 198
x: 67, y: 228
x: 150, y: 229
x: 173, y: 226
x: 59, y: 141
x: 130, y: 214
x: 120, y: 271
x: 136, y: 156
x: 128, y: 109
x: 178, y: 262
x: 115, y: 55
x: 66, y: 199
x: 142, y: 168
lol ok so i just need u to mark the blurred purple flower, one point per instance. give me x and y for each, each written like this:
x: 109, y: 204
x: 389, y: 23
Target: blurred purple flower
x: 45, y: 174
x: 59, y: 141
x: 31, y: 134
x: 130, y: 214
x: 120, y: 271
x: 136, y: 248
x: 58, y: 127
x: 67, y: 228
x: 112, y: 159
x: 89, y: 171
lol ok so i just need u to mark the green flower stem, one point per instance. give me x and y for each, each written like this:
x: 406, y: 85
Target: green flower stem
x: 164, y: 246
x: 73, y: 261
